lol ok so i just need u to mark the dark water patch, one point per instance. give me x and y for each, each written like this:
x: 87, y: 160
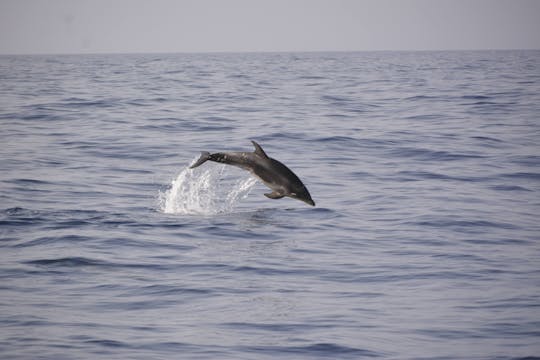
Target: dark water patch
x: 338, y: 140
x: 322, y: 212
x: 108, y: 343
x: 57, y: 219
x: 510, y: 329
x: 399, y: 275
x: 351, y: 144
x: 215, y: 128
x: 218, y: 119
x: 39, y: 116
x: 275, y: 327
x: 129, y: 242
x: 467, y: 257
x: 281, y: 135
x: 157, y: 349
x: 338, y: 116
x: 494, y: 241
x: 79, y: 144
x: 335, y: 98
x: 227, y: 230
x: 159, y: 99
x: 170, y: 290
x: 84, y: 262
x: 126, y: 170
x: 123, y: 153
x: 139, y: 102
x: 68, y: 262
x: 310, y: 251
x: 527, y: 160
x: 427, y: 175
x: 476, y: 97
x: 465, y: 224
x: 433, y: 155
x: 522, y: 176
x: 80, y: 103
x: 162, y: 127
x: 316, y: 350
x: 425, y: 117
x: 19, y: 211
x: 34, y: 186
x: 128, y: 303
x: 416, y: 98
x: 509, y: 188
x: 483, y: 104
x: 504, y: 303
x: 487, y: 139
x: 358, y: 175
x: 312, y: 77
x: 29, y: 182
x: 49, y: 240
x: 266, y: 271
x: 491, y: 107
x: 177, y: 71
x: 21, y: 217
x: 446, y: 334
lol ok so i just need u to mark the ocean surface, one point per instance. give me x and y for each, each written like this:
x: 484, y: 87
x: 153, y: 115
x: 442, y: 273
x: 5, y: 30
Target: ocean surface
x: 424, y: 244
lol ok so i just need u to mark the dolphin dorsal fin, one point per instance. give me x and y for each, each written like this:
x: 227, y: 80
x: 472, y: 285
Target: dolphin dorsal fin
x: 258, y: 150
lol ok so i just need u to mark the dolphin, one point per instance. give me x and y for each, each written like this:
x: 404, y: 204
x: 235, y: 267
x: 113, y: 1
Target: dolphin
x: 279, y: 178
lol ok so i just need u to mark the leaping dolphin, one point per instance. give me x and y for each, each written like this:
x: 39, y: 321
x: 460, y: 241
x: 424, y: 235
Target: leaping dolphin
x: 279, y: 178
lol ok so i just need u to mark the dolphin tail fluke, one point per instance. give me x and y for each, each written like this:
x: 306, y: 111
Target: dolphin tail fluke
x: 205, y: 155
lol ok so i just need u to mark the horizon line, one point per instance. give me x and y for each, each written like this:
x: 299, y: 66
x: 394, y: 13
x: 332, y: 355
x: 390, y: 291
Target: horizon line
x: 259, y: 52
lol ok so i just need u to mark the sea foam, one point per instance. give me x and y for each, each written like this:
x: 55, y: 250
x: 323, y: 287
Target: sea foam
x: 208, y: 191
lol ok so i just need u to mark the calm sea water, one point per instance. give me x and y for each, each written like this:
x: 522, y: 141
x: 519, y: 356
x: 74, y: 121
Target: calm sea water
x: 425, y: 242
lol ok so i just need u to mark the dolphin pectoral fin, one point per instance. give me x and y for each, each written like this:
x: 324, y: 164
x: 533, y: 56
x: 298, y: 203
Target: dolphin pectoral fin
x: 205, y: 155
x: 274, y: 195
x: 258, y: 150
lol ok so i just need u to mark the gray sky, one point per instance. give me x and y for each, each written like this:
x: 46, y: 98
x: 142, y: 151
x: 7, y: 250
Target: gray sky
x: 119, y: 26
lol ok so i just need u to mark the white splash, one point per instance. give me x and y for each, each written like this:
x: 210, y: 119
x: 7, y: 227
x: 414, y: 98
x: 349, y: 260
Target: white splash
x: 206, y: 191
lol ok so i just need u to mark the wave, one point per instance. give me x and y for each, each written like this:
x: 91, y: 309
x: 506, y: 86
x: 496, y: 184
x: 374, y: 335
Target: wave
x: 433, y: 155
x: 67, y: 262
x: 329, y: 350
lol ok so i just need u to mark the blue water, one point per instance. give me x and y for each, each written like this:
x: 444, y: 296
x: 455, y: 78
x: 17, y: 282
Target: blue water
x: 424, y: 244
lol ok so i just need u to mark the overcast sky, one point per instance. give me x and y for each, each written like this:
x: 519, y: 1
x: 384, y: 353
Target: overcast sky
x: 119, y: 26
